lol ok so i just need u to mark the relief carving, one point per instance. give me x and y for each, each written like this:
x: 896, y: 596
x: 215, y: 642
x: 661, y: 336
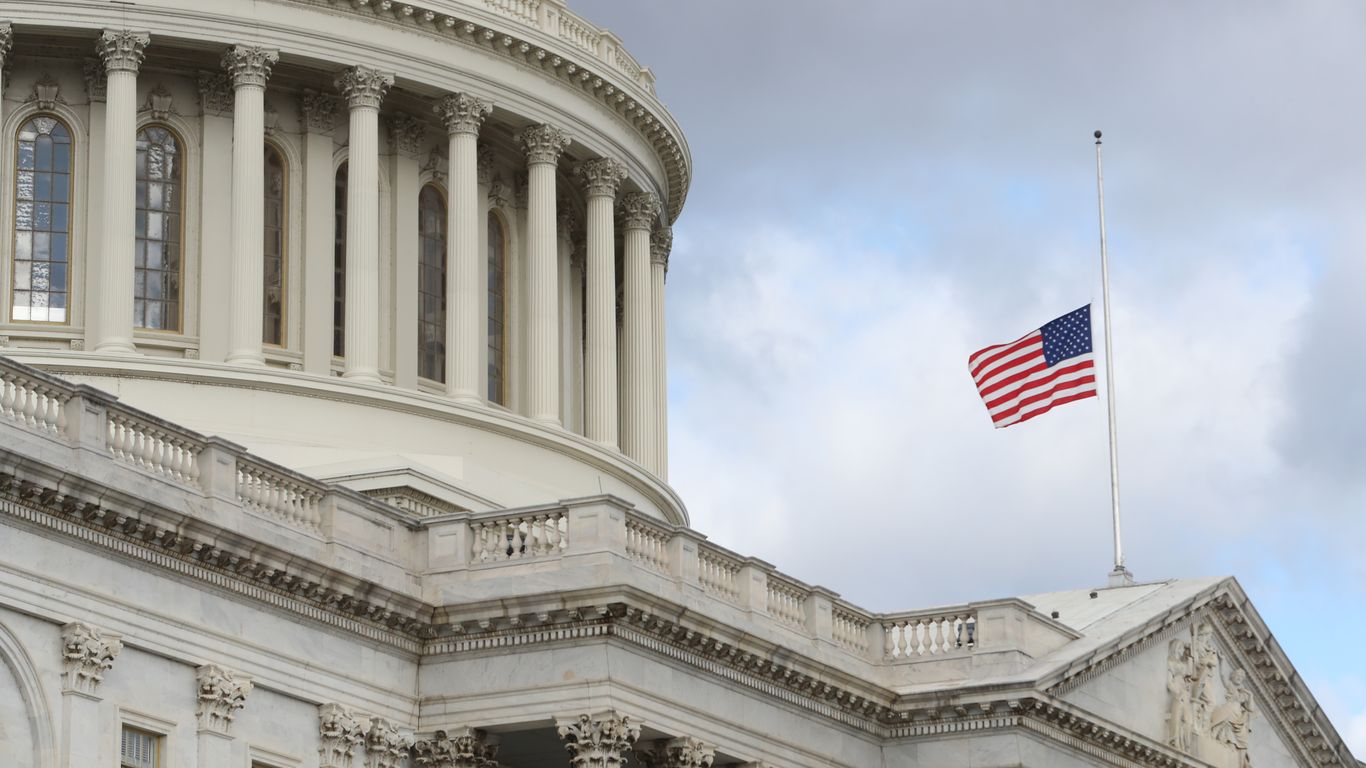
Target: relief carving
x: 219, y: 693
x: 87, y: 653
x: 1197, y: 723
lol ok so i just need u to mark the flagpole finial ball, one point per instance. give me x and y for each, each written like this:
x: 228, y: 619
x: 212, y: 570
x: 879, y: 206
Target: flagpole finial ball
x: 1097, y: 135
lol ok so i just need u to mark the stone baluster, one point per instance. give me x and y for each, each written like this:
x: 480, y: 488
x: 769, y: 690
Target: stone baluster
x: 87, y: 653
x: 661, y: 243
x: 364, y: 89
x: 602, y: 177
x: 640, y: 214
x: 250, y: 67
x: 684, y: 752
x: 340, y: 731
x: 603, y: 740
x: 543, y: 144
x: 463, y: 115
x: 121, y: 51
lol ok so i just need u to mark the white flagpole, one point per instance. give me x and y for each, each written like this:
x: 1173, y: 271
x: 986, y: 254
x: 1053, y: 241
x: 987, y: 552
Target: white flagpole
x: 1120, y: 576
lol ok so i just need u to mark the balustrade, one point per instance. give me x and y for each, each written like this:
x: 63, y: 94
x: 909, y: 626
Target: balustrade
x: 786, y: 602
x: 525, y: 11
x: 517, y: 538
x: 719, y: 574
x: 278, y: 494
x: 32, y: 403
x: 156, y: 449
x: 648, y: 545
x: 929, y: 635
x: 850, y: 629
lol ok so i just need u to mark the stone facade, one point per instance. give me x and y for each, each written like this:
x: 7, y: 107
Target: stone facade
x: 305, y: 555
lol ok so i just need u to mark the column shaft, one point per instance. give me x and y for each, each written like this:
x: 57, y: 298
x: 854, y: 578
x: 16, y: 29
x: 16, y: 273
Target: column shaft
x: 641, y: 211
x: 463, y: 114
x: 319, y: 113
x: 364, y: 89
x: 245, y: 320
x: 544, y: 145
x: 661, y: 398
x: 216, y: 243
x: 600, y: 353
x: 122, y: 53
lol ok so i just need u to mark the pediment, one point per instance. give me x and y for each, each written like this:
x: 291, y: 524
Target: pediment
x: 1210, y: 682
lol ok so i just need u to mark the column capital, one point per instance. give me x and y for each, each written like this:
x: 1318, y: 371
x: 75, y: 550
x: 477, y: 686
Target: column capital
x: 96, y: 79
x: 601, y: 176
x: 122, y: 50
x: 363, y: 87
x: 6, y: 39
x: 87, y: 653
x: 457, y: 748
x: 385, y: 744
x: 640, y: 210
x: 598, y: 741
x: 463, y: 113
x: 215, y: 93
x: 340, y: 731
x: 543, y: 143
x: 318, y: 111
x: 406, y: 133
x: 685, y: 752
x: 661, y: 243
x: 219, y: 693
x: 249, y: 64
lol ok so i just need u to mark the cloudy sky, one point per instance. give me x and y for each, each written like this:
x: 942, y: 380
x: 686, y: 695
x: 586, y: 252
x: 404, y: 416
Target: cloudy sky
x: 883, y: 187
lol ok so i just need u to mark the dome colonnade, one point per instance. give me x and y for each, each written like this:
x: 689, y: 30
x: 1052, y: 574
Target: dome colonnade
x: 543, y: 299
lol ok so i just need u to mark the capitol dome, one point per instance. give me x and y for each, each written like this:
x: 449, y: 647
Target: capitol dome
x: 417, y: 250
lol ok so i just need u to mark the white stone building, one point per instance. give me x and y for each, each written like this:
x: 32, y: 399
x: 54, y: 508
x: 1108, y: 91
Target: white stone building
x: 334, y: 432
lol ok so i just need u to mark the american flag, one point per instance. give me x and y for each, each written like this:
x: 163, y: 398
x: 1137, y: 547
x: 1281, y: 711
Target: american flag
x: 1044, y: 368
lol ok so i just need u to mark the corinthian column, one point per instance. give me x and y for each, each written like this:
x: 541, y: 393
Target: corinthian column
x: 6, y: 41
x: 601, y: 178
x: 249, y: 67
x: 603, y: 740
x: 121, y: 51
x: 463, y: 114
x: 543, y: 145
x: 87, y: 653
x: 661, y: 242
x: 364, y: 90
x: 640, y: 213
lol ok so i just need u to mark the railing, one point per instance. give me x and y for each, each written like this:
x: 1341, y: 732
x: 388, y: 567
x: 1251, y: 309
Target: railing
x: 648, y: 544
x: 155, y: 448
x: 917, y: 636
x: 278, y: 494
x: 525, y: 11
x: 409, y: 500
x: 519, y: 537
x: 718, y: 573
x: 850, y: 629
x: 578, y: 33
x: 32, y: 403
x: 786, y: 602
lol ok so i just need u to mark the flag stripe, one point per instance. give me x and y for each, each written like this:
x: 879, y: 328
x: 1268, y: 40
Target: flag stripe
x: 1037, y: 372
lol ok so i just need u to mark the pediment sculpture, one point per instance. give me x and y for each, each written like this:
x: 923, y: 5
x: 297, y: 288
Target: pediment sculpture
x: 1209, y: 713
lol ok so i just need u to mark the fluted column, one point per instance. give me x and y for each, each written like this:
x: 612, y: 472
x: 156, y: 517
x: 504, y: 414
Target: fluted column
x: 249, y: 67
x: 219, y: 695
x: 87, y: 654
x: 543, y: 144
x: 640, y: 213
x: 601, y: 178
x: 463, y: 114
x: 121, y: 52
x: 661, y: 242
x: 364, y: 90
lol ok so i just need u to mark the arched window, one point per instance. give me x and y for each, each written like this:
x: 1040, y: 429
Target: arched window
x: 431, y: 284
x: 42, y: 221
x: 157, y: 253
x: 497, y: 310
x: 273, y: 308
x: 339, y: 266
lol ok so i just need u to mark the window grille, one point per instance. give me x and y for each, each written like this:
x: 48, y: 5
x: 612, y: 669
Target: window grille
x: 431, y: 284
x: 42, y: 221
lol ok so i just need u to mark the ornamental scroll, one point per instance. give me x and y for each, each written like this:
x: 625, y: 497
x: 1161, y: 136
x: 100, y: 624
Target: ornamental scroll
x: 1209, y: 716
